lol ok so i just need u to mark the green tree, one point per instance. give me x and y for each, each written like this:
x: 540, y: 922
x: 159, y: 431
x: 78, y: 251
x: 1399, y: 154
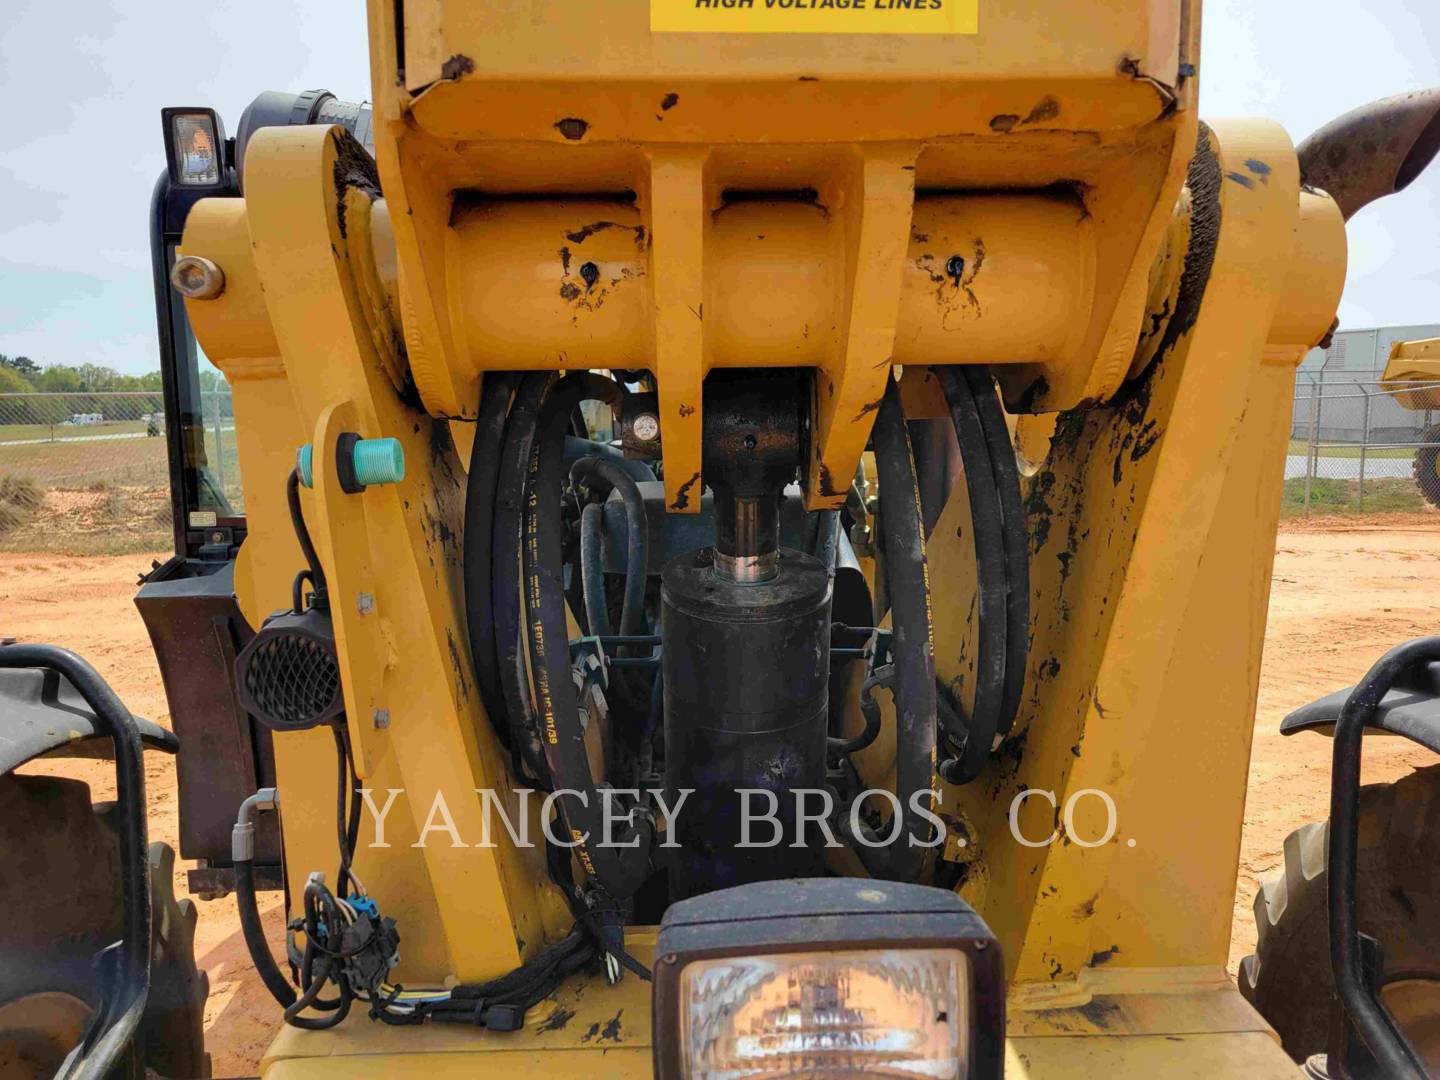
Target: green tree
x: 98, y: 379
x: 58, y: 379
x: 12, y: 382
x: 149, y: 382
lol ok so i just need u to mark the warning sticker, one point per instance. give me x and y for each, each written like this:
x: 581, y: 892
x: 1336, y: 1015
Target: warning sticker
x: 816, y: 16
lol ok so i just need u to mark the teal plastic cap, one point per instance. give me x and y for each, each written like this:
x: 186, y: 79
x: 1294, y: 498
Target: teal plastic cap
x: 304, y: 465
x: 379, y: 461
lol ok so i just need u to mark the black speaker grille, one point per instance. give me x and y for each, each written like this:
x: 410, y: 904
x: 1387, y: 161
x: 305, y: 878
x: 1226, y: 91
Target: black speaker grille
x: 293, y: 679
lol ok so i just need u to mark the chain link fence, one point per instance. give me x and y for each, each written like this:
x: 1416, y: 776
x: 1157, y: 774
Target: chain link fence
x: 89, y: 473
x: 1362, y: 446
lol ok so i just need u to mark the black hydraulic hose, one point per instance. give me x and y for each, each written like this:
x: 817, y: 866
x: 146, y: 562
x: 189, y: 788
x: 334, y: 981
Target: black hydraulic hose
x: 1017, y: 541
x: 479, y: 539
x: 242, y: 856
x: 347, y: 811
x: 248, y: 905
x: 131, y: 989
x: 309, y: 999
x: 632, y: 617
x: 592, y: 569
x: 618, y: 869
x: 907, y: 577
x: 505, y: 573
x: 325, y: 968
x: 991, y: 577
x: 870, y: 710
x: 951, y: 769
x: 1386, y: 1040
x: 302, y: 534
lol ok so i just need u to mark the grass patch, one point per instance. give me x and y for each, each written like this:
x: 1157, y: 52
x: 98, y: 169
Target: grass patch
x: 76, y: 465
x: 1300, y: 448
x: 110, y: 520
x: 113, y: 508
x: 1329, y: 496
x: 19, y: 497
x: 57, y: 432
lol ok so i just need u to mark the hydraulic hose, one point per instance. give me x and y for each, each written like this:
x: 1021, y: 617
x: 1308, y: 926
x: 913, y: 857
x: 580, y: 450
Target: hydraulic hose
x: 902, y: 535
x: 592, y: 568
x: 242, y: 855
x: 632, y: 617
x: 316, y: 973
x: 347, y: 821
x: 617, y: 868
x: 987, y: 526
x: 505, y: 573
x: 1016, y: 537
x: 870, y: 710
x: 480, y: 489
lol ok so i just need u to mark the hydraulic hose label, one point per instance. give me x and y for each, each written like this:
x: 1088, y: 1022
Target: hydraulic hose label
x: 816, y: 16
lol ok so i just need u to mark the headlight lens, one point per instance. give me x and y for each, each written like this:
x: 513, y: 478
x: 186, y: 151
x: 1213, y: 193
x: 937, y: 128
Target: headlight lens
x: 876, y: 1012
x: 197, y: 149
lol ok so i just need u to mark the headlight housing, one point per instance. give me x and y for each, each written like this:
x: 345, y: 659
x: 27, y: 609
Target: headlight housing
x: 194, y: 148
x: 830, y: 977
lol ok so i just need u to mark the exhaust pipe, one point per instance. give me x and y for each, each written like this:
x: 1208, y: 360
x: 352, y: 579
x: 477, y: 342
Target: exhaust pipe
x: 1373, y: 151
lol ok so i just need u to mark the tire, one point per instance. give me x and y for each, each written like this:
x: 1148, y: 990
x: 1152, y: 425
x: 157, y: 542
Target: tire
x: 1426, y: 466
x: 60, y: 891
x: 1288, y: 977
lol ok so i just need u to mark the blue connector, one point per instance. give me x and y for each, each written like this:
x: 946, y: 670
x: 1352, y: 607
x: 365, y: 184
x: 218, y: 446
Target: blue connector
x: 379, y: 461
x: 304, y: 464
x: 371, y: 462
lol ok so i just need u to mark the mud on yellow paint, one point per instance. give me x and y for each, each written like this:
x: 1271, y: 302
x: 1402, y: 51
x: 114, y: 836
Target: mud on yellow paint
x: 754, y: 199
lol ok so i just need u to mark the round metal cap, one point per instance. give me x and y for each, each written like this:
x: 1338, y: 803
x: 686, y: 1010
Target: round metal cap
x: 197, y: 278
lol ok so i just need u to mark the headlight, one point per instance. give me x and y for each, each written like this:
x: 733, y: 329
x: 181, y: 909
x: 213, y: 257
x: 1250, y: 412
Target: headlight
x: 892, y: 1012
x: 832, y: 977
x: 194, y: 147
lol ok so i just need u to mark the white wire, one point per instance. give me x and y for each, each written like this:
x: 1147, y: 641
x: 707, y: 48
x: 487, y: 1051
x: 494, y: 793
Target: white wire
x: 394, y: 1006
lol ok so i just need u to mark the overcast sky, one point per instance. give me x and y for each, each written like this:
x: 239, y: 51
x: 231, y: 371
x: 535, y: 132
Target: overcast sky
x: 80, y: 142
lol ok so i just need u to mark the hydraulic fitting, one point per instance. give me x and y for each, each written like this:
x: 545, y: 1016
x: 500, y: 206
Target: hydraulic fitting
x: 361, y: 462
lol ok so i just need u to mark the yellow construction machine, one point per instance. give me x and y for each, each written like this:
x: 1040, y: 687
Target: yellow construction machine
x: 1412, y: 378
x: 757, y: 527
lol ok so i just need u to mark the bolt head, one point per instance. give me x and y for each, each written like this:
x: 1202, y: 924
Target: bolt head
x: 572, y: 128
x: 197, y: 278
x: 365, y: 603
x: 381, y: 717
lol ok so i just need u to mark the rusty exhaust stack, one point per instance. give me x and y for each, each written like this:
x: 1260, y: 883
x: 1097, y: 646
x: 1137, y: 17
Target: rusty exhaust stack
x: 1373, y: 151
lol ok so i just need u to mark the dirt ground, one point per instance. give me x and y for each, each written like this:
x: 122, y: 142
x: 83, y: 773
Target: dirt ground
x: 1344, y: 591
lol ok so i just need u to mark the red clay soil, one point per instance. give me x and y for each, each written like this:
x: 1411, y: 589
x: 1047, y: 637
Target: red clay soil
x: 1344, y: 591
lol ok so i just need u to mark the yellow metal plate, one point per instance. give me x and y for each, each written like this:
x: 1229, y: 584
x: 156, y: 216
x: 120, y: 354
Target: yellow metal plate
x: 816, y: 16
